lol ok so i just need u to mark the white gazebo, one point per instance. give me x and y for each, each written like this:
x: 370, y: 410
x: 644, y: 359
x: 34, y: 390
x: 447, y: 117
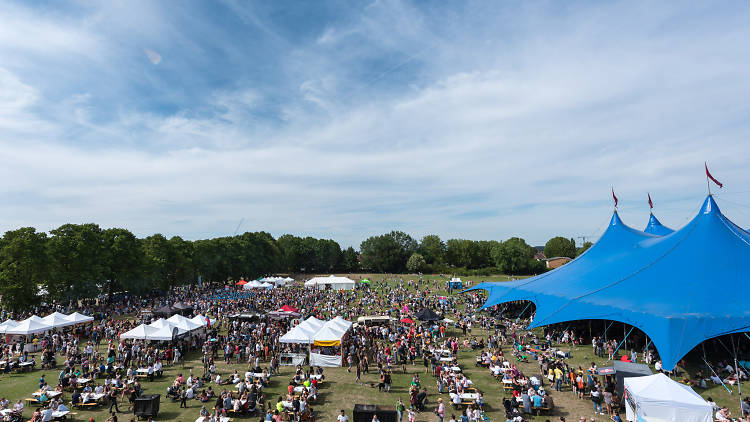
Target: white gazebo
x: 140, y: 332
x: 79, y: 318
x: 58, y: 320
x: 331, y: 282
x: 184, y: 323
x: 200, y: 319
x: 29, y: 326
x: 657, y: 397
x: 7, y: 324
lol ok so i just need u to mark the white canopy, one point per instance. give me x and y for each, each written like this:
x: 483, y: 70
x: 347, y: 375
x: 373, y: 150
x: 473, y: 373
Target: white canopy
x: 7, y: 324
x: 184, y: 323
x: 163, y: 323
x: 657, y: 397
x: 28, y: 326
x: 456, y: 280
x: 56, y: 319
x: 79, y: 318
x: 140, y: 332
x: 341, y: 323
x: 200, y: 319
x: 304, y: 332
x: 266, y: 284
x: 254, y: 284
x: 332, y: 332
x: 162, y: 334
x: 335, y: 283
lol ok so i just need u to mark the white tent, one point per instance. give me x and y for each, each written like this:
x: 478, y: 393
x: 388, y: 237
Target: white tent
x: 56, y: 319
x: 28, y: 326
x: 140, y: 332
x: 200, y: 319
x: 304, y: 332
x: 7, y: 324
x: 329, y: 335
x: 266, y: 285
x: 79, y: 318
x: 254, y: 284
x: 342, y: 323
x: 333, y: 282
x: 163, y: 334
x: 163, y: 323
x: 656, y: 397
x: 184, y: 323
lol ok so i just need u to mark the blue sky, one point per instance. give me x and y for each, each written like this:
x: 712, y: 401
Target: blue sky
x: 480, y: 120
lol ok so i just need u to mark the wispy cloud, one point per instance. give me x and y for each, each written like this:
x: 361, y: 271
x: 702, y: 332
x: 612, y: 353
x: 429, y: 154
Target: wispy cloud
x: 478, y: 120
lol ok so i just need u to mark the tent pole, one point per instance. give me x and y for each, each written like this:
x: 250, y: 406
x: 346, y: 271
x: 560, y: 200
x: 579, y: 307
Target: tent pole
x: 717, y: 375
x: 737, y: 371
x: 524, y: 310
x: 606, y: 329
x: 620, y: 345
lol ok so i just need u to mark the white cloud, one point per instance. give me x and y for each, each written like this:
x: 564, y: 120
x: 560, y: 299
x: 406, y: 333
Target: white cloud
x: 466, y: 129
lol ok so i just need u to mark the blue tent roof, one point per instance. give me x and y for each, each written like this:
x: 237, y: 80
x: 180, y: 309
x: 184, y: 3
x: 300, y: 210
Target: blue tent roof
x: 654, y: 226
x: 663, y: 285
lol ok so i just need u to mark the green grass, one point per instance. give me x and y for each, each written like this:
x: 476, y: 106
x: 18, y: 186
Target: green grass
x: 339, y: 391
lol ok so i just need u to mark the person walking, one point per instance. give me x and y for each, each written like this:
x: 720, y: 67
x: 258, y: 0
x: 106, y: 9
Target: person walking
x: 440, y: 412
x: 113, y: 401
x: 183, y: 397
x: 400, y: 408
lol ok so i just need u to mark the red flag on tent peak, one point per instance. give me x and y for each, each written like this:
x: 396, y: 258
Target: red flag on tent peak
x: 708, y: 174
x: 614, y: 197
x: 650, y: 203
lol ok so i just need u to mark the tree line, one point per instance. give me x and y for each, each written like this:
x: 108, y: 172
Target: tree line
x: 83, y: 260
x: 397, y: 251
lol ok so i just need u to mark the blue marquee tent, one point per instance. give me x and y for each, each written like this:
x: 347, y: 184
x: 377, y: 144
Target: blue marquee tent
x: 667, y: 286
x: 654, y: 226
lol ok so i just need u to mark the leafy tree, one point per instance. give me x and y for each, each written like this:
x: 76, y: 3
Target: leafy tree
x: 349, y: 260
x: 291, y: 252
x: 24, y: 263
x: 432, y: 249
x: 415, y: 263
x: 77, y: 261
x: 157, y: 253
x: 123, y: 258
x: 388, y: 252
x: 181, y: 269
x: 514, y: 256
x: 560, y: 246
x: 583, y: 248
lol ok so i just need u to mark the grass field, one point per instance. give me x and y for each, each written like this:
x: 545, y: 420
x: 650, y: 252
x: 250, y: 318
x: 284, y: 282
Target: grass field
x: 340, y: 391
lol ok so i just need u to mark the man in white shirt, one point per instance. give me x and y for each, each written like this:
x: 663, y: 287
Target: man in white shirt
x: 47, y: 414
x: 342, y: 417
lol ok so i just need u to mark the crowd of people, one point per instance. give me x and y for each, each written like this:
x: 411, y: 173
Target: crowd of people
x: 97, y: 366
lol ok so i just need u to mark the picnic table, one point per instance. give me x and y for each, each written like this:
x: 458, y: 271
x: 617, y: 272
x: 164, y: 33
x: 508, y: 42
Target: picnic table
x: 446, y: 359
x: 83, y: 381
x: 316, y: 377
x: 469, y: 396
x: 455, y: 368
x: 253, y: 374
x: 25, y: 366
x: 287, y: 404
x: 50, y: 394
x: 299, y: 389
x: 60, y: 415
x: 97, y: 396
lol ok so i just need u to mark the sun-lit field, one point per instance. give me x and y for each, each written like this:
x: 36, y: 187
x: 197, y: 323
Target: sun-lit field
x: 340, y: 390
